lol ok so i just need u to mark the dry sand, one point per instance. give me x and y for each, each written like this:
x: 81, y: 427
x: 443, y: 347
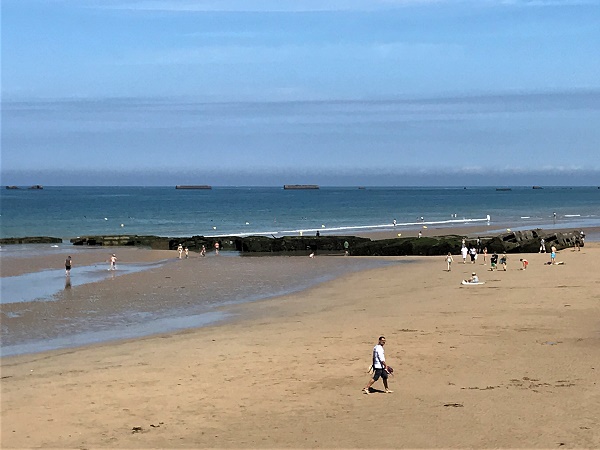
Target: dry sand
x: 512, y: 363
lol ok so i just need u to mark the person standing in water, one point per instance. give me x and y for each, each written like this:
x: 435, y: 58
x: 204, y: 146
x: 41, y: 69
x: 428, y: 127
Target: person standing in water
x: 113, y: 262
x: 68, y: 263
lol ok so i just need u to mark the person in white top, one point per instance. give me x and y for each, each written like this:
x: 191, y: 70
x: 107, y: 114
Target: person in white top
x: 463, y: 251
x: 379, y: 367
x: 113, y: 262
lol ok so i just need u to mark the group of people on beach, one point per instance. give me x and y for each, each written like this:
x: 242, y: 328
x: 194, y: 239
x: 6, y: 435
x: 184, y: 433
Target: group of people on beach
x: 495, y: 259
x: 112, y: 261
x: 184, y: 252
x: 181, y: 250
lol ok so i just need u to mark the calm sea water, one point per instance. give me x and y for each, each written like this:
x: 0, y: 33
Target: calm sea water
x: 68, y: 212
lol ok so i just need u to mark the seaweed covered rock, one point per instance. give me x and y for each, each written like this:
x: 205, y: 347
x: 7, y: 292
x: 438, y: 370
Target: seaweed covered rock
x: 529, y: 241
x: 509, y: 242
x: 298, y: 244
x: 424, y: 246
x: 154, y: 242
x: 31, y: 240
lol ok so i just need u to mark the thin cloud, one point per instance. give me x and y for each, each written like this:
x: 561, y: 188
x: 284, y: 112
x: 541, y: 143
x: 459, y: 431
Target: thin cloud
x: 293, y: 6
x: 259, y: 5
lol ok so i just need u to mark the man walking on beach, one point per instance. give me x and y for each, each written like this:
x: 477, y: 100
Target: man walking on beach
x: 379, y: 367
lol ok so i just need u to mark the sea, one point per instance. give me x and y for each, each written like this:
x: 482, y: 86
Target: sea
x: 67, y: 212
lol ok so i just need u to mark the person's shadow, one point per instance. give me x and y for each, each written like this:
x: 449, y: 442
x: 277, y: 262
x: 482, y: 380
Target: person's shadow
x: 372, y: 390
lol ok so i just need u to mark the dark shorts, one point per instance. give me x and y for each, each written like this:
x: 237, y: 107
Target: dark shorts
x: 380, y: 373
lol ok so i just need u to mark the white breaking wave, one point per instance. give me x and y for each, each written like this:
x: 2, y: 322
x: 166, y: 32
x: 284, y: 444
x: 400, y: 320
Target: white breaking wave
x: 356, y: 227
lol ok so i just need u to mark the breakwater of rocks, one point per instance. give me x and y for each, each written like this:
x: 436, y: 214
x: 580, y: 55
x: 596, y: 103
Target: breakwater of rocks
x: 509, y: 242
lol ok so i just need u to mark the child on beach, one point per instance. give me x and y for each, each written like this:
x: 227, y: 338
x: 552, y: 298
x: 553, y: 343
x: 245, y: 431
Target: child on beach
x: 449, y: 260
x: 553, y: 255
x: 524, y: 263
x: 484, y: 255
x: 187, y: 253
x: 203, y: 251
x: 503, y: 261
x: 474, y: 279
x: 180, y: 250
x: 493, y: 261
x: 113, y: 262
x: 473, y: 254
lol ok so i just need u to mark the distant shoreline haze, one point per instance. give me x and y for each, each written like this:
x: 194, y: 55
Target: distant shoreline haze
x: 366, y: 178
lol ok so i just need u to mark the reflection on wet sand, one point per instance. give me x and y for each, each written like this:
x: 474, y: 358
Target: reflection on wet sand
x: 165, y: 297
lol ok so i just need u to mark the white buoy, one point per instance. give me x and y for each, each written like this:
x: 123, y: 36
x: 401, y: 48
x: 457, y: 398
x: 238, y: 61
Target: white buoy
x: 106, y: 218
x: 122, y: 225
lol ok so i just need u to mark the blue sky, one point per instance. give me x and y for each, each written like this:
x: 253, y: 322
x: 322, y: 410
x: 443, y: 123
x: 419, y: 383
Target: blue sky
x: 249, y: 92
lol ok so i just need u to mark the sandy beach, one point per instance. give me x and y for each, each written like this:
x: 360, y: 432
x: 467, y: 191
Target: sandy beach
x: 509, y: 364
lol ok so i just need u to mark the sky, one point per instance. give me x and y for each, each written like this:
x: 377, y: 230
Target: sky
x: 329, y: 92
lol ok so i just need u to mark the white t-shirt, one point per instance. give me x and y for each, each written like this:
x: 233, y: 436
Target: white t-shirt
x: 378, y: 356
x: 464, y: 251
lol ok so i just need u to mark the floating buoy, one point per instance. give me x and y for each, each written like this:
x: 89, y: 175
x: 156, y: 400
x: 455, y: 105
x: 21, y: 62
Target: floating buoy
x: 424, y: 226
x: 399, y: 234
x: 122, y: 225
x: 106, y: 218
x: 214, y: 228
x: 247, y: 223
x: 322, y: 226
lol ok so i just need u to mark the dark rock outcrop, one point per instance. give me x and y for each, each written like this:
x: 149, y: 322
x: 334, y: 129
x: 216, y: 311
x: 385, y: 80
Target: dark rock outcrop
x: 424, y: 246
x: 509, y: 242
x: 31, y: 240
x: 154, y: 242
x: 529, y: 241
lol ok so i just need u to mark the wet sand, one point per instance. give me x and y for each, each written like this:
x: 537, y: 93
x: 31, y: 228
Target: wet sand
x: 512, y: 363
x: 46, y: 310
x: 19, y: 264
